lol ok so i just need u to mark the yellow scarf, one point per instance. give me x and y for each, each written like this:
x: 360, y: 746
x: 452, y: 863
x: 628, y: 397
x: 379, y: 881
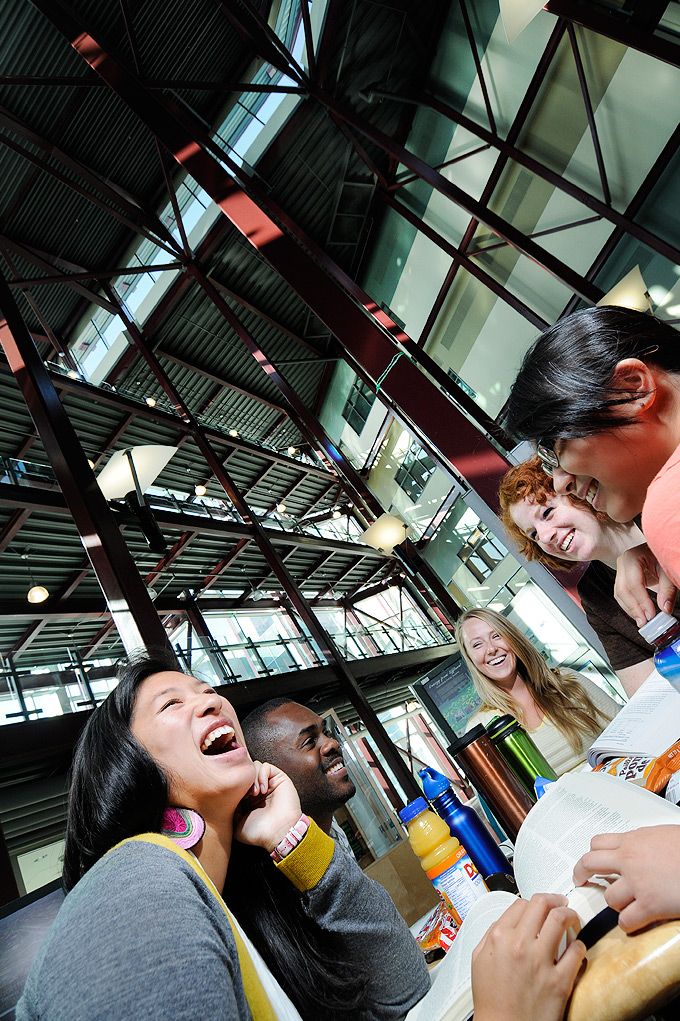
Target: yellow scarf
x: 258, y: 1001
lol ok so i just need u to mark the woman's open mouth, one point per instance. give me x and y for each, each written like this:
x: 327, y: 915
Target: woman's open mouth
x: 221, y: 739
x: 497, y: 660
x: 565, y: 545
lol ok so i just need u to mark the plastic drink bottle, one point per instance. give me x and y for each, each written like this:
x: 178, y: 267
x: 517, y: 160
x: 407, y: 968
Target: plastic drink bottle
x: 464, y: 824
x: 663, y: 632
x: 443, y: 859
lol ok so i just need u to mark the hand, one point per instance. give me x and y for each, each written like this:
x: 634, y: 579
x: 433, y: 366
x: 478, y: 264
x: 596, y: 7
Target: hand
x: 637, y: 570
x: 647, y: 864
x: 514, y: 974
x: 269, y: 809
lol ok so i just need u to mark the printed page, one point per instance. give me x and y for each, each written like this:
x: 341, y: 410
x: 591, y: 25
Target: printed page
x: 450, y: 998
x: 578, y: 806
x: 647, y: 725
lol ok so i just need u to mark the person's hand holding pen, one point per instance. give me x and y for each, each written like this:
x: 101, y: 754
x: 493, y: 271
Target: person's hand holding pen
x: 515, y: 974
x: 645, y: 868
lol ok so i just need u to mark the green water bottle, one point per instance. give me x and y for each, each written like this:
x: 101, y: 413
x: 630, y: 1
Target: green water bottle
x: 520, y: 752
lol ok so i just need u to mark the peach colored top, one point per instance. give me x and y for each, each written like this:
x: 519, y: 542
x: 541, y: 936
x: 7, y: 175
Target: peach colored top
x: 661, y: 517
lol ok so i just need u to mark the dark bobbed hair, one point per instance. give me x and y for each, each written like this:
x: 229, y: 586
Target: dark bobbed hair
x: 304, y: 958
x: 564, y: 386
x: 116, y: 789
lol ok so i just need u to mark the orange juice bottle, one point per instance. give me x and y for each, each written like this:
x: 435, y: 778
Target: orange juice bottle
x: 443, y: 859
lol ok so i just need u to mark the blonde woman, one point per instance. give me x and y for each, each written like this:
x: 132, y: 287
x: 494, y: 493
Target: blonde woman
x: 561, y: 711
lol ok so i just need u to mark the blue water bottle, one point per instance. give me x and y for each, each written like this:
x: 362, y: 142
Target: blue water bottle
x: 466, y: 825
x: 663, y: 632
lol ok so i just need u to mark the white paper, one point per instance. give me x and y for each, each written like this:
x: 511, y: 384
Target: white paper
x: 647, y: 725
x: 560, y: 826
x: 554, y: 835
x: 450, y: 998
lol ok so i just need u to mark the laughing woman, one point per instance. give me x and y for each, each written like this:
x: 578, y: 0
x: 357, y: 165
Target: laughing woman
x: 563, y: 713
x: 162, y: 784
x: 599, y: 393
x: 560, y: 531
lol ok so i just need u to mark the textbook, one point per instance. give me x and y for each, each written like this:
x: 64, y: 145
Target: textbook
x: 555, y: 834
x: 647, y: 725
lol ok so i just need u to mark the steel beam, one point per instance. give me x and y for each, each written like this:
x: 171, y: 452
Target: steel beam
x: 134, y: 209
x: 366, y: 332
x: 220, y: 380
x: 116, y: 572
x: 617, y: 27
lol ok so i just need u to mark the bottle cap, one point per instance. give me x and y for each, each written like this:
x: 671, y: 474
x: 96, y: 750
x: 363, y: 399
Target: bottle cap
x: 657, y: 626
x: 468, y: 737
x: 434, y: 783
x: 502, y: 726
x: 413, y: 809
x: 540, y: 784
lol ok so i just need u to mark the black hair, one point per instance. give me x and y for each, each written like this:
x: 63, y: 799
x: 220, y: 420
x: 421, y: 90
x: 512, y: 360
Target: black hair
x: 256, y: 730
x: 307, y: 961
x: 116, y: 789
x: 564, y: 386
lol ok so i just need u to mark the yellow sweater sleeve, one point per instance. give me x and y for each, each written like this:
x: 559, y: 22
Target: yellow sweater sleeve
x: 307, y: 863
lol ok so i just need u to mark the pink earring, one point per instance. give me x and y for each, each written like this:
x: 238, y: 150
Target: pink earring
x: 183, y: 825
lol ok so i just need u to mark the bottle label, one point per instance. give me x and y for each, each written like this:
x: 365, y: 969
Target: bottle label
x: 667, y: 662
x: 459, y: 884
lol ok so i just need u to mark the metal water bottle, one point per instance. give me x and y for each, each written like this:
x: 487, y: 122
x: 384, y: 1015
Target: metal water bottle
x: 465, y: 824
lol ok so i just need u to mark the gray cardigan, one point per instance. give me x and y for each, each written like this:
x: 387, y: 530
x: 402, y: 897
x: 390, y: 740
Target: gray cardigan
x: 143, y: 904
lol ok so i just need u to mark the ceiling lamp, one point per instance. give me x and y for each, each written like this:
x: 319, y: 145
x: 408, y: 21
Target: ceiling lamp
x: 128, y: 475
x: 385, y: 533
x: 132, y: 469
x: 37, y: 594
x: 516, y: 15
x: 233, y: 432
x: 72, y: 374
x: 200, y: 490
x: 630, y: 292
x: 292, y: 451
x: 281, y: 508
x: 91, y: 463
x: 337, y: 514
x: 151, y: 401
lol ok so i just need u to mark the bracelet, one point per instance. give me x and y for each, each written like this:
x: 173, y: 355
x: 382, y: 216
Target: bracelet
x: 291, y: 839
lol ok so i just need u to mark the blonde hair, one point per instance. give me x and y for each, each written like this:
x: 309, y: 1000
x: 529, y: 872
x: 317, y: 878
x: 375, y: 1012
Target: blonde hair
x: 557, y: 692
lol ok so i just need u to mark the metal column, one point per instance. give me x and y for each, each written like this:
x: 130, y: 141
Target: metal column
x: 128, y: 600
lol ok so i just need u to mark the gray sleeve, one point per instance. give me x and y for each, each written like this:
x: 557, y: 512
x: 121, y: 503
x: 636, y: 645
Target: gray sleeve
x: 139, y: 937
x: 360, y: 916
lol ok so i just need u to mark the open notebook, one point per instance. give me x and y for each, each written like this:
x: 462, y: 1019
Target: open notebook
x: 554, y: 835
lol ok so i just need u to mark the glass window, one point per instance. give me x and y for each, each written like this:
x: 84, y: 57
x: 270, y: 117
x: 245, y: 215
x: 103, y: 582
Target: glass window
x: 358, y: 405
x: 482, y: 553
x: 415, y: 471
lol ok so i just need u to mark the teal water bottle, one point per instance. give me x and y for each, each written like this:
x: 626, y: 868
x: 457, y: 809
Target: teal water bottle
x: 663, y: 632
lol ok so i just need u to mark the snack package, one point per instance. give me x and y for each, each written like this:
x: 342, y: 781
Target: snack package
x: 438, y: 932
x: 655, y: 774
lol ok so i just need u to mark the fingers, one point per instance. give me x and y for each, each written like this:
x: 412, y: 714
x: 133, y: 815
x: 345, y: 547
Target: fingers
x: 666, y: 593
x: 263, y: 771
x: 570, y: 964
x: 536, y: 912
x: 603, y: 859
x: 559, y: 921
x: 619, y: 895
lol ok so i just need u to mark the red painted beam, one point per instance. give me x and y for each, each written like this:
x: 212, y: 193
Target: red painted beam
x: 365, y: 331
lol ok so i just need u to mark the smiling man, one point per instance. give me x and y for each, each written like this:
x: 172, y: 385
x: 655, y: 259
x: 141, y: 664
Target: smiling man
x: 297, y: 740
